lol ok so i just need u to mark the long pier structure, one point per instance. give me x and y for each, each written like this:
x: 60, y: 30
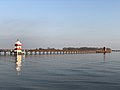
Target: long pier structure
x: 50, y: 51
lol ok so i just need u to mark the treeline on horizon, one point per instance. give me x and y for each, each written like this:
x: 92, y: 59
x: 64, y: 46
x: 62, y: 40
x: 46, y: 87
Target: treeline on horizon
x: 73, y: 48
x: 84, y: 48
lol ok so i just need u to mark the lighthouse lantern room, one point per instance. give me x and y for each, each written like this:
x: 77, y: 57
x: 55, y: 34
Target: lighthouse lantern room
x: 18, y: 47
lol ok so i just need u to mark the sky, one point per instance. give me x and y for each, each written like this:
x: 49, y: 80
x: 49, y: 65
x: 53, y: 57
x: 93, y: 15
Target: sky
x: 60, y: 23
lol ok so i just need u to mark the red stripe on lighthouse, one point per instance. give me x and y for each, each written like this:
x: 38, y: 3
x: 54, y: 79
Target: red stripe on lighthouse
x: 18, y: 49
x: 18, y: 44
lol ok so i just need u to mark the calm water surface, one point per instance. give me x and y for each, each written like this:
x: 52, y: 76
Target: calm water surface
x: 60, y: 72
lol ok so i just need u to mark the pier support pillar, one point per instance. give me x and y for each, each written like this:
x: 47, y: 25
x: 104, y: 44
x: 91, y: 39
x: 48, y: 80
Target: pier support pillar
x: 5, y: 53
x: 43, y: 53
x: 50, y: 52
x: 60, y: 52
x: 35, y: 53
x: 39, y: 53
x: 30, y: 53
x: 11, y: 53
x: 26, y: 52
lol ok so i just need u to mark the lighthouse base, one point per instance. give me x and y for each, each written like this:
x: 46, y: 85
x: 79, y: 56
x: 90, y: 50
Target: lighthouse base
x: 18, y: 53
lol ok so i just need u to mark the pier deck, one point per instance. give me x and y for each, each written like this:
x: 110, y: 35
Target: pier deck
x: 54, y: 51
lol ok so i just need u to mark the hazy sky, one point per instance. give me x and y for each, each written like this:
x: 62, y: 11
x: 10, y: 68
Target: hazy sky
x: 60, y: 23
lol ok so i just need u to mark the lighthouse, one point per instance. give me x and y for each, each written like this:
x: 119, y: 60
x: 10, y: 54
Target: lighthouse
x: 18, y: 48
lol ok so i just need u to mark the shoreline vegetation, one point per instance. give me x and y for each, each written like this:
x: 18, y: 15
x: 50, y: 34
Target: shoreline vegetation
x: 73, y: 48
x: 81, y: 49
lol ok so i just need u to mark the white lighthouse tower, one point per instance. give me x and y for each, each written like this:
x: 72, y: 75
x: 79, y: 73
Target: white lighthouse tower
x: 18, y: 48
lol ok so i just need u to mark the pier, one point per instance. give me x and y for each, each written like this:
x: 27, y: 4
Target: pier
x: 6, y: 51
x: 50, y: 51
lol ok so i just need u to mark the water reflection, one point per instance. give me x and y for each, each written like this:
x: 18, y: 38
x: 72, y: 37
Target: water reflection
x: 18, y: 64
x: 104, y: 57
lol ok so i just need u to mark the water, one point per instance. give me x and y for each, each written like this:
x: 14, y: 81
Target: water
x: 60, y: 72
